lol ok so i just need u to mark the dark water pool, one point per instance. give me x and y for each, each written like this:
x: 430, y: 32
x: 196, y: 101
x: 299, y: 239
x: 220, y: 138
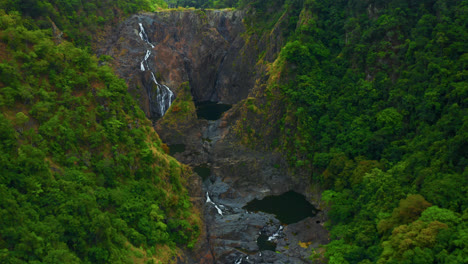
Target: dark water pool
x: 290, y: 207
x: 211, y: 110
x: 264, y: 244
x: 176, y: 148
x: 203, y: 170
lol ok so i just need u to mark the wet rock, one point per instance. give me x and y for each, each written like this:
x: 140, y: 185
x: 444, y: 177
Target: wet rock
x: 301, y: 237
x: 239, y: 175
x: 204, y: 48
x: 233, y: 234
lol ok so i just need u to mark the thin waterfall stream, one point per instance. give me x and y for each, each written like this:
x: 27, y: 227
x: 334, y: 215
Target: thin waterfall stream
x: 159, y: 52
x: 164, y: 95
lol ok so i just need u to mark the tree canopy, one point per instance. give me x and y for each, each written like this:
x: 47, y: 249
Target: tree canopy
x: 373, y: 107
x: 83, y: 175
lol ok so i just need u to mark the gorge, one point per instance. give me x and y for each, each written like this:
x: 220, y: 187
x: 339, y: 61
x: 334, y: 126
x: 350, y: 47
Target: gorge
x: 272, y: 131
x: 210, y: 52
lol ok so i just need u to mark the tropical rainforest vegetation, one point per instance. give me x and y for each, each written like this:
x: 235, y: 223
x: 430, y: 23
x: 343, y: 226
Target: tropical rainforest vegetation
x: 80, y: 21
x: 374, y: 97
x: 84, y: 178
x: 373, y: 102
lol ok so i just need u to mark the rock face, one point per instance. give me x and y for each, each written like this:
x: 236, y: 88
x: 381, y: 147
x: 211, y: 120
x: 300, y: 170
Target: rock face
x: 210, y: 51
x: 239, y: 175
x: 204, y: 48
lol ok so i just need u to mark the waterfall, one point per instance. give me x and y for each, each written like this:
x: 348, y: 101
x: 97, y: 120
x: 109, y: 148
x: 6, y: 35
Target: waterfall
x: 160, y: 103
x: 145, y: 61
x: 143, y: 35
x: 208, y: 200
x: 276, y: 235
x: 165, y: 96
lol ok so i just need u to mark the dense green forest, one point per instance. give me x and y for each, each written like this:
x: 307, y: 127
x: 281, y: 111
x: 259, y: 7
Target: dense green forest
x: 202, y: 3
x: 370, y: 102
x: 373, y: 98
x: 84, y: 178
x: 82, y: 22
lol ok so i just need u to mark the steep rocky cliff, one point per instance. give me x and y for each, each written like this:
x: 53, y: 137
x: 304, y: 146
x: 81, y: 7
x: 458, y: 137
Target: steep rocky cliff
x: 211, y: 56
x: 204, y: 48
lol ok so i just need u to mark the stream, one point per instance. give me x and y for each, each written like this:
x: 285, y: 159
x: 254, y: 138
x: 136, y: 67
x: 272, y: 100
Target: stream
x: 251, y: 213
x: 254, y: 209
x: 162, y: 100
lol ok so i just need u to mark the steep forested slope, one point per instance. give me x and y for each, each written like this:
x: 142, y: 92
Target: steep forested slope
x: 83, y: 175
x: 80, y: 21
x: 369, y: 99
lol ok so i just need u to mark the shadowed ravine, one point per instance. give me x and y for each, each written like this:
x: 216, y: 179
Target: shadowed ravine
x: 208, y: 52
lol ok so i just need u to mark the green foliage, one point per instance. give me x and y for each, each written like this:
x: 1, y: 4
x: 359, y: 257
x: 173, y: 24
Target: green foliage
x: 202, y: 3
x: 78, y: 19
x: 337, y: 251
x: 372, y: 102
x: 83, y: 177
x: 182, y: 113
x: 411, y: 243
x: 409, y: 210
x: 434, y: 213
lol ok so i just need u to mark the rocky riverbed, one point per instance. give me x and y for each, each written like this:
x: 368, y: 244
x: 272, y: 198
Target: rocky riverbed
x: 205, y: 52
x: 239, y: 175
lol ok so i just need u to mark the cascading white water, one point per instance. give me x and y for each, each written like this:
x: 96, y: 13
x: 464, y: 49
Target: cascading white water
x: 144, y: 36
x: 164, y: 95
x: 145, y: 61
x: 276, y: 235
x: 208, y: 200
